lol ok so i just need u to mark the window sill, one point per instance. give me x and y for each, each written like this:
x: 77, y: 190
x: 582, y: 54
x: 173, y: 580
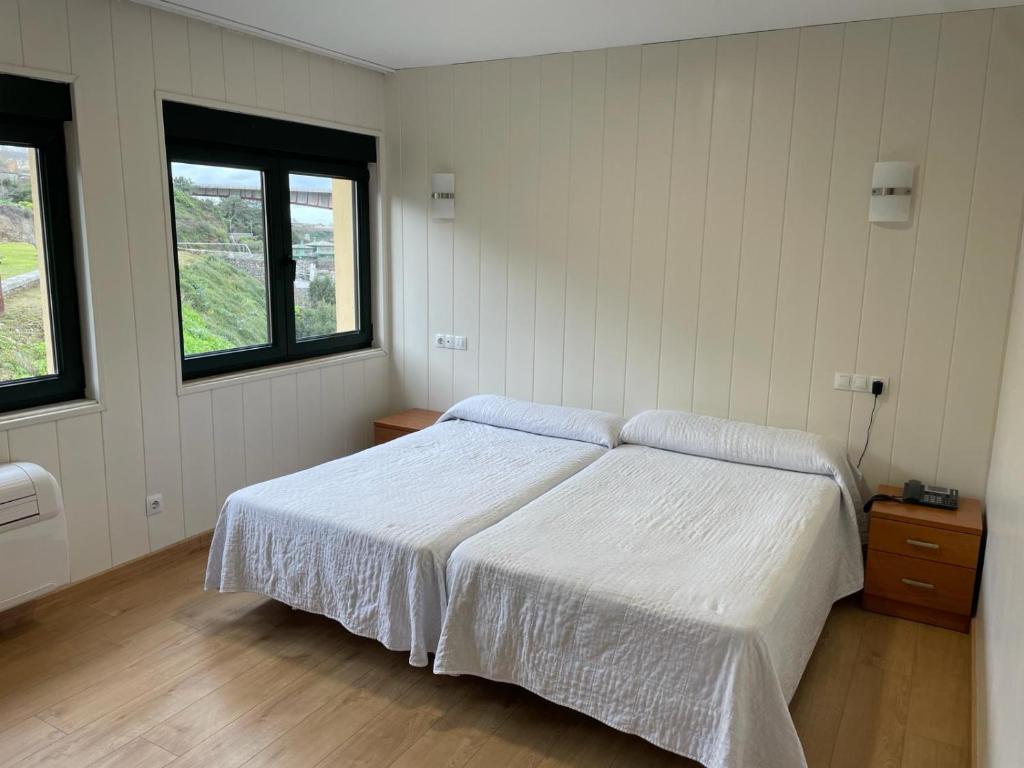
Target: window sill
x: 192, y: 386
x: 47, y: 413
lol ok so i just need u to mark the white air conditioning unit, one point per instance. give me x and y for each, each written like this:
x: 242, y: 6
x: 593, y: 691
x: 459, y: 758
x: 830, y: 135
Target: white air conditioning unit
x: 33, y: 534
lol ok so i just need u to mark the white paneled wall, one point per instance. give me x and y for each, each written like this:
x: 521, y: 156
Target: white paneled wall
x: 684, y: 225
x: 196, y: 448
x: 999, y: 670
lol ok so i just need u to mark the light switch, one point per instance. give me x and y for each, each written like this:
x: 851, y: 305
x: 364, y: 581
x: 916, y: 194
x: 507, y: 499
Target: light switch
x: 841, y: 381
x: 860, y: 383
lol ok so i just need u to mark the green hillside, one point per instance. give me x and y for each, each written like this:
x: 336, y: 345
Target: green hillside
x: 22, y: 349
x: 197, y: 220
x: 222, y: 306
x: 17, y: 259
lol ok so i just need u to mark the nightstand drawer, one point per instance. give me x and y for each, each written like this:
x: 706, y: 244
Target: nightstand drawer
x: 386, y: 434
x: 920, y: 582
x: 924, y: 542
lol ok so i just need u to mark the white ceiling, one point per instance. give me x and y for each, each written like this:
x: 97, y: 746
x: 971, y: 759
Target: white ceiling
x: 394, y: 34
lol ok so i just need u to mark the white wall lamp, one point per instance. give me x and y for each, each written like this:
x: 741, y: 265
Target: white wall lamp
x: 442, y: 196
x: 892, y: 185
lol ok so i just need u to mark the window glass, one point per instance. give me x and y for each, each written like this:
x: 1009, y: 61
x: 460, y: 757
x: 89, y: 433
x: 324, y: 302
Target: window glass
x: 40, y: 335
x: 324, y: 251
x: 220, y: 229
x: 26, y: 324
x: 272, y: 224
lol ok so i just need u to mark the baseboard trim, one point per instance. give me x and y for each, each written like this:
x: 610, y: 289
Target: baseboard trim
x: 106, y: 579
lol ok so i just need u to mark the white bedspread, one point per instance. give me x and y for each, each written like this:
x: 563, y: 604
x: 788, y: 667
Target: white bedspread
x: 745, y: 443
x: 673, y: 596
x: 365, y: 539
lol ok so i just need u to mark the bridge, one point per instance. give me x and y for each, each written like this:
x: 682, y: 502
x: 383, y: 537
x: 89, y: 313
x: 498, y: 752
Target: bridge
x: 306, y: 197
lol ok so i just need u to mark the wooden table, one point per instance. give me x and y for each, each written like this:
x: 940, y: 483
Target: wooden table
x: 923, y: 561
x: 401, y: 424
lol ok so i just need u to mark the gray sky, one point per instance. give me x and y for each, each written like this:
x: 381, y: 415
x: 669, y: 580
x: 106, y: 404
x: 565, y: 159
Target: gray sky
x: 219, y: 176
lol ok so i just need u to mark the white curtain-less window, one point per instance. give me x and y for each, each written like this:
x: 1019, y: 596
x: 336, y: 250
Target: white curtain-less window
x: 40, y: 341
x: 271, y: 230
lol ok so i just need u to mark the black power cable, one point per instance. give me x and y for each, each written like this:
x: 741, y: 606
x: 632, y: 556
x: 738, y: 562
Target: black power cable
x: 876, y: 390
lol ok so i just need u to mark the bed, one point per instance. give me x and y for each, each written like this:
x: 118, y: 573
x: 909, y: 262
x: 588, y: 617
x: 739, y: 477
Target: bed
x: 674, y: 589
x: 365, y: 539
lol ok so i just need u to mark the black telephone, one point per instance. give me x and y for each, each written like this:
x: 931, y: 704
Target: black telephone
x: 916, y: 492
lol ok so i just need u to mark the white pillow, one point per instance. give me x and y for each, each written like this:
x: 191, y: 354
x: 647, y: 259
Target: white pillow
x: 580, y: 424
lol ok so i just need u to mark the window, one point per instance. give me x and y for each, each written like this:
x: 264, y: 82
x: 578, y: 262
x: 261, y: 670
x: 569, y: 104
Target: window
x: 271, y: 239
x: 40, y: 340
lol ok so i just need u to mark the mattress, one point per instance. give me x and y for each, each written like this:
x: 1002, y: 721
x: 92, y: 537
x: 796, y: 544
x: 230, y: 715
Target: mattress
x: 671, y: 595
x: 365, y: 539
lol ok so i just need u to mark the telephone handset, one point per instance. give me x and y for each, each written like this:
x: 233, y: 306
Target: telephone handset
x: 916, y: 492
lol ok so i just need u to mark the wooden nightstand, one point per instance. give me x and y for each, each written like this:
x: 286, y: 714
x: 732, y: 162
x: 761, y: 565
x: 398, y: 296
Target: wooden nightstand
x: 404, y: 423
x: 923, y: 562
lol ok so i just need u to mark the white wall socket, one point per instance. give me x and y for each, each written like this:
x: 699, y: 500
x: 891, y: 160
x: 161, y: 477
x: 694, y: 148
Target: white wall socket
x: 857, y: 382
x: 449, y: 341
x: 154, y: 504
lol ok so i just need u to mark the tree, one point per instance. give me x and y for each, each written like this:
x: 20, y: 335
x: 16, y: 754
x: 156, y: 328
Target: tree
x: 17, y: 190
x: 242, y: 216
x: 321, y: 291
x: 315, y: 320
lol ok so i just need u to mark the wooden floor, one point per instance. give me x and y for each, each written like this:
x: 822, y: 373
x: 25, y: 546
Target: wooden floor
x: 150, y: 671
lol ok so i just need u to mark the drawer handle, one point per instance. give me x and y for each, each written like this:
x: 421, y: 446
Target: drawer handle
x: 922, y: 544
x: 918, y: 584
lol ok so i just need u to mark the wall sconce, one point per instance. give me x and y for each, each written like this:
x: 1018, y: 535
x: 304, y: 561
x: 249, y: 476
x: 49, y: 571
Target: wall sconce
x: 891, y: 186
x: 442, y: 196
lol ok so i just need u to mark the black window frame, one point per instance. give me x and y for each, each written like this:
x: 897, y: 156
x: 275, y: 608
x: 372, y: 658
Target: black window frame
x: 217, y: 137
x: 33, y: 113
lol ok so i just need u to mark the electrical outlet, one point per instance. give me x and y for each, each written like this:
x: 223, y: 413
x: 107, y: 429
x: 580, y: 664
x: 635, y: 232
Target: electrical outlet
x: 154, y: 504
x: 857, y: 382
x: 449, y: 341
